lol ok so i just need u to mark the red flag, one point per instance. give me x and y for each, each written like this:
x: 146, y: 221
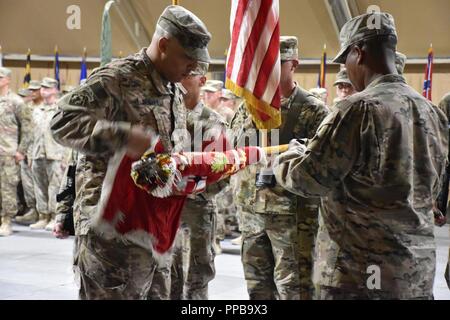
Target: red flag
x: 427, y: 83
x: 253, y: 63
x: 135, y: 214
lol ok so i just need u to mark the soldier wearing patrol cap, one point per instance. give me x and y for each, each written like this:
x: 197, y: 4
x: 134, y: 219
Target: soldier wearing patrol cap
x: 212, y: 91
x: 278, y: 227
x: 11, y: 150
x: 344, y: 86
x: 111, y: 110
x: 46, y: 155
x: 377, y: 162
x: 193, y: 260
x: 31, y: 215
x: 25, y: 94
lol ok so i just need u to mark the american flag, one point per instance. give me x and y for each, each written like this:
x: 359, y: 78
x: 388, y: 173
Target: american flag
x: 253, y: 62
x: 428, y: 75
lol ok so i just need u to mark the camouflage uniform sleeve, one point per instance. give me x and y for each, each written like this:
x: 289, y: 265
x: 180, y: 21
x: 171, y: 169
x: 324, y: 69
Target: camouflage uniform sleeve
x: 25, y: 123
x: 88, y: 118
x: 319, y: 113
x: 315, y: 169
x: 444, y: 105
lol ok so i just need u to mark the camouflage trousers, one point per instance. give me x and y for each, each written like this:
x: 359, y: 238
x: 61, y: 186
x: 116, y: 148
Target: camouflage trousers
x: 27, y: 184
x: 225, y: 212
x: 111, y: 269
x: 160, y: 288
x: 193, y: 257
x: 9, y: 179
x: 307, y: 224
x: 47, y: 176
x: 269, y: 256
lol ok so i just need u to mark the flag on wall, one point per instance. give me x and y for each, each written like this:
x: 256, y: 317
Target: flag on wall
x: 83, y: 72
x: 428, y: 75
x: 323, y: 68
x: 27, y: 78
x: 56, y: 67
x: 253, y: 62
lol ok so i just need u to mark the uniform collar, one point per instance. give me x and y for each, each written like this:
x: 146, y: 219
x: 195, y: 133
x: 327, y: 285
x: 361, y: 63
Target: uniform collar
x: 286, y: 102
x: 387, y: 78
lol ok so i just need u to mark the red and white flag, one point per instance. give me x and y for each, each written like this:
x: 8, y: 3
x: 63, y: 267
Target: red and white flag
x: 253, y: 62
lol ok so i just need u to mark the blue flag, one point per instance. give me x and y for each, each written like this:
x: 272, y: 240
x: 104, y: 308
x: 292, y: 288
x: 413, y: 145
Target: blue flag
x: 56, y: 67
x: 83, y: 72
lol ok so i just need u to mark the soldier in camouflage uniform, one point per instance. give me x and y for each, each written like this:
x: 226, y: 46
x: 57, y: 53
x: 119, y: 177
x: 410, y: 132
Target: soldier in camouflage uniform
x: 376, y: 160
x: 212, y: 91
x: 277, y: 226
x: 47, y: 155
x: 12, y: 150
x: 111, y: 110
x: 444, y: 105
x: 193, y: 260
x: 31, y: 216
x: 344, y: 86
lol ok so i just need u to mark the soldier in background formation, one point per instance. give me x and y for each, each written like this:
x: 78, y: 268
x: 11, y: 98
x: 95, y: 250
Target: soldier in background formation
x: 277, y: 226
x: 31, y: 216
x: 212, y: 91
x: 344, y: 86
x: 12, y: 150
x: 379, y: 176
x: 47, y: 155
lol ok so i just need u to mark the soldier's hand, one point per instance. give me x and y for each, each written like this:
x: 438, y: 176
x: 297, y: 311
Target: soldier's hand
x: 139, y: 141
x: 59, y: 232
x: 19, y: 157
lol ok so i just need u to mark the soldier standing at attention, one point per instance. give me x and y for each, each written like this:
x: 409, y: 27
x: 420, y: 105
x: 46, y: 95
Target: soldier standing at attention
x: 376, y: 160
x: 113, y: 109
x: 31, y: 216
x: 278, y: 227
x: 12, y: 150
x: 47, y: 155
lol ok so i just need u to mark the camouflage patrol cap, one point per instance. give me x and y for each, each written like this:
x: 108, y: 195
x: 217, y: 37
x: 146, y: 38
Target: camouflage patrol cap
x: 288, y: 48
x: 49, y: 83
x: 24, y: 92
x: 213, y: 85
x: 366, y: 26
x: 5, y: 72
x: 400, y: 61
x: 34, y: 85
x: 342, y: 77
x: 189, y: 30
x: 201, y: 70
x: 228, y: 95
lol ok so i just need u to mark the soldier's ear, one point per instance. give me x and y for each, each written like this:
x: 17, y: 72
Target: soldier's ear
x: 202, y: 81
x: 163, y: 44
x: 360, y: 55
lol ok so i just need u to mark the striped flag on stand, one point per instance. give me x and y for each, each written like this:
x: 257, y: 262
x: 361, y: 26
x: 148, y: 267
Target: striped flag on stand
x: 428, y: 75
x: 27, y: 78
x: 323, y: 68
x: 253, y: 62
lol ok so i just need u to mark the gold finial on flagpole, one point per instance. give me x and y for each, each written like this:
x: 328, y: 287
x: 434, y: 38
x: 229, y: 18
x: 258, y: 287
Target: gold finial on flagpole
x: 175, y: 2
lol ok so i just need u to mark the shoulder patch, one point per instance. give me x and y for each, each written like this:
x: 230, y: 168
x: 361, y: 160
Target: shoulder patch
x: 98, y: 90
